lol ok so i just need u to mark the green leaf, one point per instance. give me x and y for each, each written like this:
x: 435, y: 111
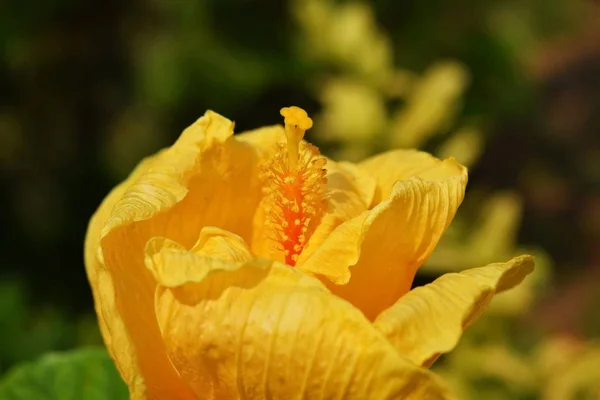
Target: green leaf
x: 87, y: 373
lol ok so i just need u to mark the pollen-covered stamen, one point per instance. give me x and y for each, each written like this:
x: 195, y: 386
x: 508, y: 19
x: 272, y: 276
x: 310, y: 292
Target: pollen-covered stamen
x: 293, y: 185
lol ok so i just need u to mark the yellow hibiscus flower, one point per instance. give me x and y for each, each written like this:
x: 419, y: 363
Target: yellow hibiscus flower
x: 252, y: 267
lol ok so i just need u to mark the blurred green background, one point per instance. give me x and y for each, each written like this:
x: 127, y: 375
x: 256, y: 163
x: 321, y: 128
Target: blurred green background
x: 509, y: 87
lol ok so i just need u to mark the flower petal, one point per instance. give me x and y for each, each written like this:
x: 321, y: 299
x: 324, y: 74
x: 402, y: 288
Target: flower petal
x: 429, y: 320
x: 259, y: 329
x: 349, y: 193
x: 116, y: 337
x: 398, y: 165
x: 225, y: 250
x: 206, y: 178
x: 386, y: 245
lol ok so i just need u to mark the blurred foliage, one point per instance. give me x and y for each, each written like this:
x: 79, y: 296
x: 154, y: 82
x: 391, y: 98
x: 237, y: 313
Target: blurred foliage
x: 88, y: 89
x: 28, y: 330
x: 87, y: 373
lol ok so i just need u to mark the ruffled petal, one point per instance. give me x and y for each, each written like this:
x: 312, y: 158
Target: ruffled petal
x: 349, y: 192
x: 259, y: 330
x: 118, y: 342
x: 429, y: 320
x: 219, y: 248
x: 398, y: 165
x: 372, y: 258
x: 207, y: 178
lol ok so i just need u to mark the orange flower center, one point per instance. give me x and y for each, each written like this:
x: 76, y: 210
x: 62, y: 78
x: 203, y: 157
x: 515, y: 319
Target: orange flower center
x: 293, y: 185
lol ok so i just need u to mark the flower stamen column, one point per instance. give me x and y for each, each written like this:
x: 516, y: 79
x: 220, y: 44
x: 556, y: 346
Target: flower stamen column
x: 293, y: 185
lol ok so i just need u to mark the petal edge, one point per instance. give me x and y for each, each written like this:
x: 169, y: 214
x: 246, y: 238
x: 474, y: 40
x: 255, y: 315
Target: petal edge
x: 429, y: 320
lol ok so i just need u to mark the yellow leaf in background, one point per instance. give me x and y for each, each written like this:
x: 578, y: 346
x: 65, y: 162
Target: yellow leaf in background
x: 473, y: 363
x: 431, y: 104
x: 465, y: 146
x: 251, y: 266
x: 353, y: 112
x: 398, y: 83
x: 570, y: 367
x: 339, y: 32
x: 582, y: 377
x: 559, y: 367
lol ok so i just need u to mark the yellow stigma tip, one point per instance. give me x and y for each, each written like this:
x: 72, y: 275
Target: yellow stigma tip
x: 296, y: 123
x: 296, y: 117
